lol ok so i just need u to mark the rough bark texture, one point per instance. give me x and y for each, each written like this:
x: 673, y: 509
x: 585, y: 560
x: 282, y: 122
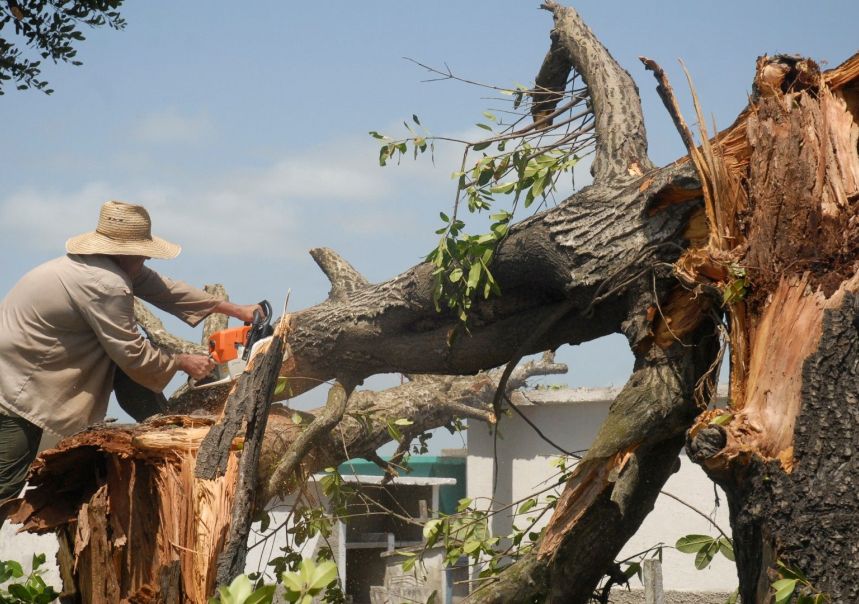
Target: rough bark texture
x: 262, y: 374
x: 149, y: 526
x: 127, y: 507
x: 772, y: 201
x: 785, y: 457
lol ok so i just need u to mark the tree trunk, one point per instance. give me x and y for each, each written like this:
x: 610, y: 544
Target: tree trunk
x: 763, y: 218
x: 785, y: 458
x: 118, y: 496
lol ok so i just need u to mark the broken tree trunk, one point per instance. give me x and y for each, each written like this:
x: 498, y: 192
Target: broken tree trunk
x: 137, y: 518
x: 763, y: 219
x: 127, y: 508
x: 786, y: 458
x: 134, y: 520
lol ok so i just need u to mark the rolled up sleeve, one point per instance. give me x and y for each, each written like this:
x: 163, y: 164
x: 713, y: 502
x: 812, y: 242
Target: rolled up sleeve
x: 111, y: 317
x: 190, y: 304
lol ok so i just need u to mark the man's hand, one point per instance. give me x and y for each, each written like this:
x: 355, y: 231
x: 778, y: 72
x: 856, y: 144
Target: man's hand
x: 197, y: 366
x: 243, y: 312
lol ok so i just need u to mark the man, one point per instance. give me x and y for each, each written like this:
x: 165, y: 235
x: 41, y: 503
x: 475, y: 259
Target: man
x: 68, y: 336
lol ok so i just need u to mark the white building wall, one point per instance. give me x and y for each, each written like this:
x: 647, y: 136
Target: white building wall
x: 523, y: 467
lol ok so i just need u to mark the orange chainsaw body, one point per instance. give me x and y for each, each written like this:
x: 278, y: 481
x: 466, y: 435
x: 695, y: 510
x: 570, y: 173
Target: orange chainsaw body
x: 224, y: 344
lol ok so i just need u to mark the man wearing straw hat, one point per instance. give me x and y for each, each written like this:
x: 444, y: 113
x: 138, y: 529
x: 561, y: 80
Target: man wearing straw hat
x: 68, y: 336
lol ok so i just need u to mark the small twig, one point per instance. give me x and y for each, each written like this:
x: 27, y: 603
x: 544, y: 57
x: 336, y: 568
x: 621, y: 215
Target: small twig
x: 697, y: 511
x: 539, y: 432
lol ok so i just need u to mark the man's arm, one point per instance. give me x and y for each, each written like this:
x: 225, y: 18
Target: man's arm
x: 188, y: 303
x: 242, y: 312
x: 110, y: 314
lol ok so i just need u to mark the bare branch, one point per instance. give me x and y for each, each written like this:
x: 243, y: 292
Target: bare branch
x: 621, y: 139
x: 343, y: 276
x: 215, y: 321
x: 331, y: 414
x: 159, y: 336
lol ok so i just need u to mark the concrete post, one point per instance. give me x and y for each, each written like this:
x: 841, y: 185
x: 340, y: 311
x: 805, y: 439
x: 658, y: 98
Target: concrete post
x: 652, y: 570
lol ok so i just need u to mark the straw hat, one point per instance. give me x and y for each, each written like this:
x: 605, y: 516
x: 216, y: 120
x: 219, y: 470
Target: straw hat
x: 123, y: 229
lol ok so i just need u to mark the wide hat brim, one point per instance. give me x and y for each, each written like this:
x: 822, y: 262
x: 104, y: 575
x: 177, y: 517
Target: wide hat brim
x: 96, y: 243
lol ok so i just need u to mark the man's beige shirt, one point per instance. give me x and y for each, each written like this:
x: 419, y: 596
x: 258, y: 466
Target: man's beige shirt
x: 67, y: 323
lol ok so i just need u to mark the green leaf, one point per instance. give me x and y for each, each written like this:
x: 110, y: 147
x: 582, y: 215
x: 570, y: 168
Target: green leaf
x: 503, y: 188
x: 704, y: 557
x: 455, y: 275
x: 14, y: 568
x: 376, y: 135
x: 538, y: 186
x: 38, y: 560
x: 237, y: 592
x: 726, y: 547
x: 721, y: 420
x: 431, y: 529
x: 484, y: 126
x: 416, y: 120
x: 527, y: 506
x: 403, y: 422
x: 394, y: 432
x: 784, y: 589
x: 322, y: 575
x: 20, y: 592
x: 292, y: 581
x: 264, y: 595
x: 296, y: 418
x: 264, y: 518
x: 490, y: 116
x: 691, y: 544
x: 474, y: 274
x: 481, y: 146
x: 634, y: 568
x: 470, y: 547
x: 790, y: 573
x: 732, y: 599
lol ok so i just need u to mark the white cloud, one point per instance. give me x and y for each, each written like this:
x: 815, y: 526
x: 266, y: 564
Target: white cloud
x: 171, y: 127
x: 320, y: 197
x: 279, y: 210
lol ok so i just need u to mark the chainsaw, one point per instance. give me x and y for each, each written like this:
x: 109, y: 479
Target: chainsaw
x: 231, y: 348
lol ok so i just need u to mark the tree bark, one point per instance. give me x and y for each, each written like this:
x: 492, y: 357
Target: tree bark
x: 135, y: 479
x: 785, y: 458
x: 764, y: 217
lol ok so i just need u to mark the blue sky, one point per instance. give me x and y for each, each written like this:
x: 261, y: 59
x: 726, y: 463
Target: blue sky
x: 243, y: 126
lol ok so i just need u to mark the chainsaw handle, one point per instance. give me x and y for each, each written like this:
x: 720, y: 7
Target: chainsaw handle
x: 259, y: 318
x: 261, y: 328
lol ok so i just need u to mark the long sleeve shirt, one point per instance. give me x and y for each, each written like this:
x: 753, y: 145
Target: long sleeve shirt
x: 65, y: 326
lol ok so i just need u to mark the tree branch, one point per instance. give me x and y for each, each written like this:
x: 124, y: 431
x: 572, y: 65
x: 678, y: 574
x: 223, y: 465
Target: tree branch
x: 159, y: 336
x: 621, y: 138
x: 343, y: 276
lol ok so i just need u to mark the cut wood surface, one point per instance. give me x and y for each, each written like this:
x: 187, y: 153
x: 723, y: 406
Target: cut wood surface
x: 128, y: 501
x: 758, y: 229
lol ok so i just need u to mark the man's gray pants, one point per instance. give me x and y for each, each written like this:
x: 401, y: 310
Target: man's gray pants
x: 19, y: 442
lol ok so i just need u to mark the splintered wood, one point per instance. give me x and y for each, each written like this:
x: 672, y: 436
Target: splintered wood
x: 139, y: 534
x: 794, y: 241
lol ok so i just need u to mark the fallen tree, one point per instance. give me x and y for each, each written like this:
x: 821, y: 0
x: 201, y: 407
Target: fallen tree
x: 756, y: 229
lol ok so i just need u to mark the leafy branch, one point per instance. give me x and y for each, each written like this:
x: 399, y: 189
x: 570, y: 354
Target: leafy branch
x: 51, y: 28
x: 518, y: 165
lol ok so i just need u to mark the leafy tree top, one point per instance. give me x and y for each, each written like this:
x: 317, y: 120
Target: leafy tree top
x: 36, y: 30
